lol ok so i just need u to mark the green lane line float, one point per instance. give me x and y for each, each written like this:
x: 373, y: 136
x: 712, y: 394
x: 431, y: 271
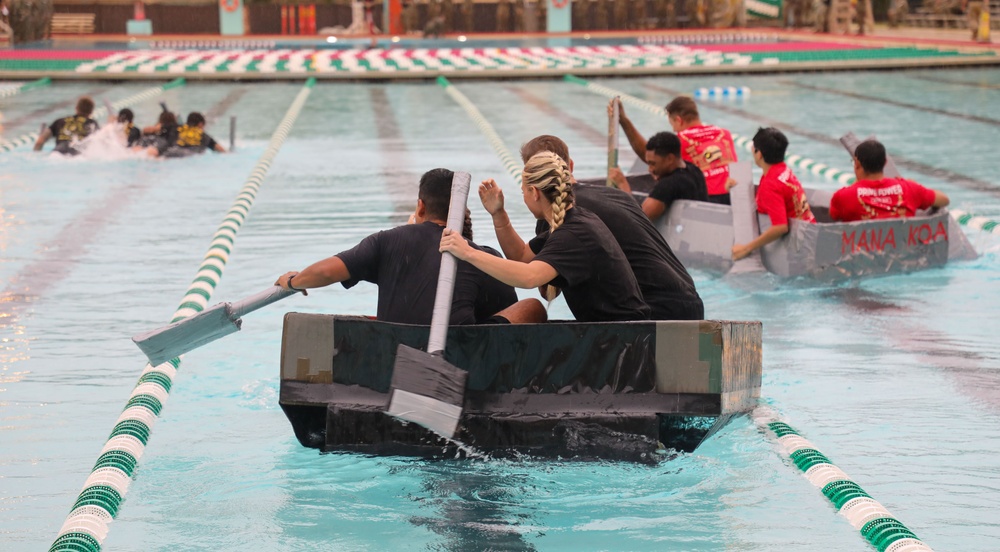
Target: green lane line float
x: 86, y: 527
x: 972, y: 221
x: 876, y: 524
x: 510, y: 162
x: 25, y: 87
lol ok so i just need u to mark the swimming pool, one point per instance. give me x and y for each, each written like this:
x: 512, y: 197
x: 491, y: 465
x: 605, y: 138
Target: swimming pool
x: 894, y: 378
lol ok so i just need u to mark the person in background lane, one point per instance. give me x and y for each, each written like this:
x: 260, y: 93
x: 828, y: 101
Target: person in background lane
x: 779, y: 196
x: 70, y: 130
x: 873, y: 196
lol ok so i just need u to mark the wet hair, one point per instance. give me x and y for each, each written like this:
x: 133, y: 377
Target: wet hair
x: 683, y: 107
x: 771, y: 143
x: 871, y: 156
x: 195, y: 119
x: 547, y: 172
x: 664, y: 144
x: 545, y: 142
x: 126, y: 116
x: 85, y: 106
x: 435, y: 192
x: 167, y: 118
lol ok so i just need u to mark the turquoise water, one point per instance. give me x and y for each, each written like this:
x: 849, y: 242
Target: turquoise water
x: 895, y: 379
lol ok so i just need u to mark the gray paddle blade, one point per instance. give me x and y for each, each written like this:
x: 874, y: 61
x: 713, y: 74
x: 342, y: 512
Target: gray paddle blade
x: 427, y: 390
x: 168, y: 342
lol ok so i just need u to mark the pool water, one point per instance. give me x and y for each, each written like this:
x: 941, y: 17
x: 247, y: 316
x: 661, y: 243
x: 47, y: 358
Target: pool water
x: 896, y: 379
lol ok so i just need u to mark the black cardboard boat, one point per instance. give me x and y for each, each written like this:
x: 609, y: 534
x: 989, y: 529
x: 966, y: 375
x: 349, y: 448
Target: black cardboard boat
x: 614, y: 390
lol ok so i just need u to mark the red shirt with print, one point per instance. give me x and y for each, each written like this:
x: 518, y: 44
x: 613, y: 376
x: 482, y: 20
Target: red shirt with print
x: 711, y: 149
x: 781, y: 197
x: 879, y: 199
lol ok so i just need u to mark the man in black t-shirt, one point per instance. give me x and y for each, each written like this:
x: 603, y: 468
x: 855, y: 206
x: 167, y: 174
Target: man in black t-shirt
x: 675, y: 179
x: 70, y: 130
x: 404, y: 262
x: 192, y: 139
x: 665, y: 284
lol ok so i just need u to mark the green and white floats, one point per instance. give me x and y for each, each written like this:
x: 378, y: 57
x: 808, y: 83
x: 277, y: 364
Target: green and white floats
x: 877, y: 525
x: 86, y: 527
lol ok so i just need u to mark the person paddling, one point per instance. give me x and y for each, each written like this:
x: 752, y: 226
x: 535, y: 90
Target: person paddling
x: 580, y: 257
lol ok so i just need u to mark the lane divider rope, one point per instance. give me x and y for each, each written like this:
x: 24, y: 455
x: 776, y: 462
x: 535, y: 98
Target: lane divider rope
x: 86, y: 526
x: 510, y: 162
x: 14, y: 90
x: 879, y: 527
x: 972, y: 221
x: 819, y: 169
x: 99, y: 113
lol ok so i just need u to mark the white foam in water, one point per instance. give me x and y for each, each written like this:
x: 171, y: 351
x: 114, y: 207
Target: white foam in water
x: 107, y: 144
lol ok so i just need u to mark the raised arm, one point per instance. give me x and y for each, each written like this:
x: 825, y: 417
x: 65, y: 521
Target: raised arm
x: 511, y: 243
x: 635, y: 139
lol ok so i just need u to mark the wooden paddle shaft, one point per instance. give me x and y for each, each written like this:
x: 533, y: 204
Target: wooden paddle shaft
x: 449, y: 266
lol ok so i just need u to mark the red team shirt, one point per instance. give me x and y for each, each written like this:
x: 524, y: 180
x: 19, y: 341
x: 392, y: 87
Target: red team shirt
x: 879, y: 199
x: 781, y: 197
x: 711, y: 149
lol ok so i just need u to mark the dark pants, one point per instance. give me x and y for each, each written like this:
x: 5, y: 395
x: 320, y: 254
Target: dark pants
x: 721, y: 199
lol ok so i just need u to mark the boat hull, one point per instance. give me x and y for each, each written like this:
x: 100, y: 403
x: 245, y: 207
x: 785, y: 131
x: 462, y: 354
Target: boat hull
x: 569, y: 390
x: 701, y: 235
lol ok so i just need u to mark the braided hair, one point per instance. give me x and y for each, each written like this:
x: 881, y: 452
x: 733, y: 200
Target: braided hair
x: 548, y: 173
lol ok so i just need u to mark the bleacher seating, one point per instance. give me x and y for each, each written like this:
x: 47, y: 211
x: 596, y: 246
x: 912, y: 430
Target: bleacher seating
x: 72, y: 23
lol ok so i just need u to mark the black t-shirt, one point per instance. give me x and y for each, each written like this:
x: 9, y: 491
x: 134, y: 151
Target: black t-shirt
x: 404, y: 262
x: 493, y: 295
x: 665, y: 284
x: 74, y: 127
x: 592, y: 270
x: 685, y: 183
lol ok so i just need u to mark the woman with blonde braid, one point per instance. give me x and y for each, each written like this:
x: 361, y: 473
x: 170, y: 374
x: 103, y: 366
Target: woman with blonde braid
x: 580, y: 257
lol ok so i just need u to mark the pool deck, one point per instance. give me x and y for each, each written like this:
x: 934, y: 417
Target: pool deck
x: 105, y: 57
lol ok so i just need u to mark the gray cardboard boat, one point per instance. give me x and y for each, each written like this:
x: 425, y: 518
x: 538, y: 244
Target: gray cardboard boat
x: 702, y: 236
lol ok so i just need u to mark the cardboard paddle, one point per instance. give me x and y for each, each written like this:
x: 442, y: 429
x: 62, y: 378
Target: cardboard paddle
x: 426, y: 389
x: 172, y: 341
